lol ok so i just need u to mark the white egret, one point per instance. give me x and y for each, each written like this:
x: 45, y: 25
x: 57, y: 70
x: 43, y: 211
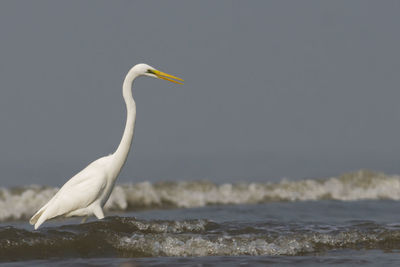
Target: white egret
x: 86, y: 193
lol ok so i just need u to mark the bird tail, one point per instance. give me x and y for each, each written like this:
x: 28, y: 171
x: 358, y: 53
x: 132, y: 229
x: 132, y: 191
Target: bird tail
x: 36, y: 220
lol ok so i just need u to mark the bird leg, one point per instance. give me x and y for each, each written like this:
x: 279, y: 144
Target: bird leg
x: 84, y: 219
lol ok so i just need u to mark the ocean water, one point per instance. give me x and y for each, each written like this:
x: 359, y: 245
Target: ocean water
x: 345, y: 221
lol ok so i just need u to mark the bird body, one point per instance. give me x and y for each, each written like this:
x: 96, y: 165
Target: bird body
x: 86, y: 193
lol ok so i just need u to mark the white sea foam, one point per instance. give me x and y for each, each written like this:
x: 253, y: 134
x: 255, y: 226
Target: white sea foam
x: 18, y: 203
x: 128, y: 237
x: 23, y: 202
x: 197, y: 238
x: 182, y: 246
x: 226, y: 245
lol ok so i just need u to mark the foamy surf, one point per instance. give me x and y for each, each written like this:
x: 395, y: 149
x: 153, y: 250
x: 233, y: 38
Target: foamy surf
x: 22, y: 202
x: 128, y: 237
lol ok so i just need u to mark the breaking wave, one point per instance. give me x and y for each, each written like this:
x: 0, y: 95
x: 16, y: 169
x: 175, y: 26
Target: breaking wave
x: 128, y: 237
x: 22, y: 202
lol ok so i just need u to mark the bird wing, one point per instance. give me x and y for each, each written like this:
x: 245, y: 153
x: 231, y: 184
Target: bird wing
x: 79, y: 192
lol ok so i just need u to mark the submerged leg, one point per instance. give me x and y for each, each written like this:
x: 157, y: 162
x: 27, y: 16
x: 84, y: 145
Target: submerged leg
x: 84, y: 219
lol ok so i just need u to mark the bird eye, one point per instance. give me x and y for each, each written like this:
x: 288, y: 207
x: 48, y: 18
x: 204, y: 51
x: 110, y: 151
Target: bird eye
x: 149, y: 71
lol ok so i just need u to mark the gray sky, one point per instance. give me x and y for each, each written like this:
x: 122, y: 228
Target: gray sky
x: 273, y: 88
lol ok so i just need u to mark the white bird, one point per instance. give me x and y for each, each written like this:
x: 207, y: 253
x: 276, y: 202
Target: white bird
x: 86, y: 193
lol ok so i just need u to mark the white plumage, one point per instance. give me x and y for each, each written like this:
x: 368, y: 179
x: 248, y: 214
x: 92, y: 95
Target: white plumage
x: 86, y: 193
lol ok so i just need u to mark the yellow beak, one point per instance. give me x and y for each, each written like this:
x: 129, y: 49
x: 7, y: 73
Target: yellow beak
x: 166, y: 76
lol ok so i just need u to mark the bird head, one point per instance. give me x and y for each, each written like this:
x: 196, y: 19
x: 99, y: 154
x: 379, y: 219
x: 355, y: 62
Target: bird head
x: 146, y: 70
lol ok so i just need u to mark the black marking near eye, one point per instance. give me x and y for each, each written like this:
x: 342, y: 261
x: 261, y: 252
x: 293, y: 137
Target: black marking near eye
x: 150, y: 71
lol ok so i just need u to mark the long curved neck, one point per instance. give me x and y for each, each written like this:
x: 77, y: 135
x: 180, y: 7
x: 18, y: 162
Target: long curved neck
x: 121, y: 154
